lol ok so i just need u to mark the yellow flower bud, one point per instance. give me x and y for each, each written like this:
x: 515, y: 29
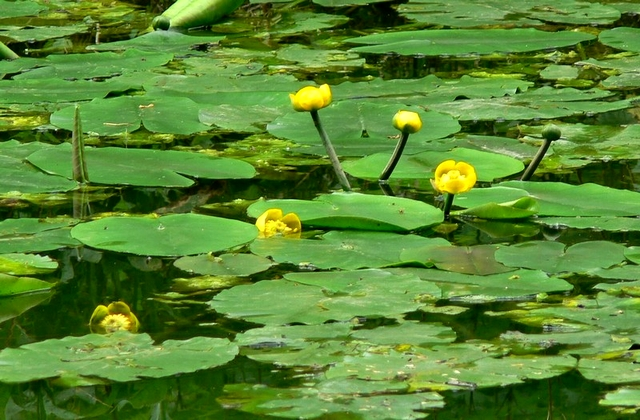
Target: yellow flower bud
x: 454, y: 178
x: 311, y: 98
x: 408, y: 122
x: 272, y: 223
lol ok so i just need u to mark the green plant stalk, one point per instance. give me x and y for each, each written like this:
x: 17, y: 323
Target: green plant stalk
x: 533, y: 165
x: 337, y: 167
x: 78, y: 161
x: 448, y: 202
x: 395, y: 158
x: 7, y: 53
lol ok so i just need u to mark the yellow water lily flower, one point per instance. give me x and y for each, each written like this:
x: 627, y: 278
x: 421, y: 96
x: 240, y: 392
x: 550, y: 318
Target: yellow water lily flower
x: 454, y: 178
x: 272, y: 223
x: 311, y: 98
x: 115, y: 317
x: 408, y: 122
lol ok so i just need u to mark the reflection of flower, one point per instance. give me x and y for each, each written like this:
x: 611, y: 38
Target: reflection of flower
x: 116, y: 317
x: 311, y: 98
x: 408, y: 122
x: 454, y: 178
x: 272, y: 223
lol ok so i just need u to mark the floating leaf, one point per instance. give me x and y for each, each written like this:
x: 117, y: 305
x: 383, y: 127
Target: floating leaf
x: 348, y: 250
x: 477, y: 259
x: 224, y: 265
x: 552, y: 257
x: 622, y: 38
x: 10, y: 285
x: 119, y: 357
x: 360, y: 128
x: 559, y: 199
x: 36, y: 235
x: 356, y: 211
x: 313, y: 298
x: 513, y: 285
x: 466, y: 41
x: 142, y: 167
x: 26, y: 264
x: 517, y: 209
x: 172, y: 235
x: 488, y: 166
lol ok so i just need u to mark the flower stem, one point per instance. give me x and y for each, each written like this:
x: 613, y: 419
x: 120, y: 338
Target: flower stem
x: 536, y: 161
x: 395, y: 158
x: 448, y: 202
x: 337, y: 167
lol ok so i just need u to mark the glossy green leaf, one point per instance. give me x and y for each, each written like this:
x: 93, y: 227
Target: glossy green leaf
x: 224, y: 265
x: 477, y: 259
x: 36, y: 235
x: 26, y: 264
x: 142, y: 167
x: 616, y: 224
x: 118, y: 357
x: 11, y: 285
x: 512, y: 285
x: 412, y: 333
x: 559, y: 199
x: 358, y: 128
x: 356, y: 211
x: 609, y: 371
x: 466, y: 41
x: 518, y: 209
x: 348, y: 250
x: 627, y: 398
x: 11, y: 9
x: 337, y: 397
x: 488, y: 166
x: 314, y: 298
x: 552, y: 257
x: 172, y: 235
x: 622, y: 38
x: 125, y: 114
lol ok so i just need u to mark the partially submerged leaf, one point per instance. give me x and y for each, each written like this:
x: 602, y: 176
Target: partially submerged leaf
x: 517, y: 209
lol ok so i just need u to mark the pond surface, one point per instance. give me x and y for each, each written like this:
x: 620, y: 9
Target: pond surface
x: 380, y: 308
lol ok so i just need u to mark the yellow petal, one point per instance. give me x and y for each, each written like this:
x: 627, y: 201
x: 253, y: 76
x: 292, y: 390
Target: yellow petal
x: 311, y: 98
x: 99, y: 314
x: 444, y: 167
x: 325, y: 91
x: 271, y: 214
x: 454, y: 178
x: 293, y: 224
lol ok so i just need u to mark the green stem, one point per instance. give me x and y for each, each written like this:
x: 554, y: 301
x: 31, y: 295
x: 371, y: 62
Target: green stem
x: 7, y: 53
x: 448, y: 202
x: 78, y: 161
x: 536, y: 161
x: 333, y: 157
x: 395, y: 158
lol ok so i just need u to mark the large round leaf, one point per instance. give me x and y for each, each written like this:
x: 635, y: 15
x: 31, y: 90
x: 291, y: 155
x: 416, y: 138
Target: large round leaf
x: 359, y: 128
x: 119, y: 357
x: 466, y: 41
x: 173, y: 235
x: 357, y: 211
x: 141, y: 167
x: 489, y: 166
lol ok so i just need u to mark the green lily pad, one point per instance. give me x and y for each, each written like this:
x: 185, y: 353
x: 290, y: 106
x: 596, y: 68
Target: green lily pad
x: 314, y: 298
x: 622, y: 38
x: 624, y: 398
x: 466, y: 41
x: 124, y: 114
x: 11, y: 285
x: 26, y: 264
x: 224, y: 265
x: 12, y: 9
x: 119, y: 357
x: 141, y: 167
x: 36, y: 235
x: 20, y: 177
x: 358, y: 128
x: 513, y: 285
x: 159, y: 41
x: 172, y: 235
x: 559, y: 199
x: 616, y: 224
x: 488, y: 166
x: 477, y: 259
x: 517, y: 209
x: 348, y: 250
x: 356, y: 211
x: 552, y: 257
x: 86, y: 66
